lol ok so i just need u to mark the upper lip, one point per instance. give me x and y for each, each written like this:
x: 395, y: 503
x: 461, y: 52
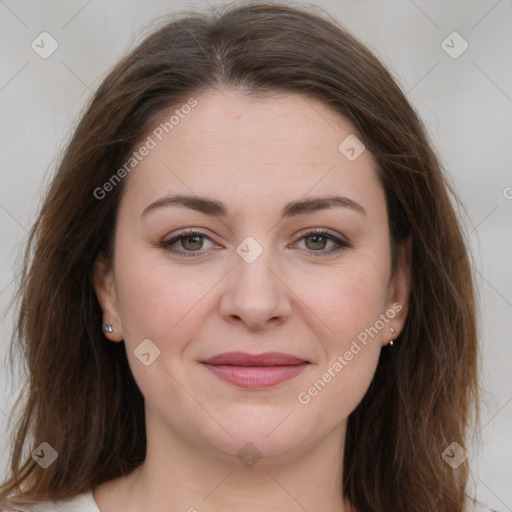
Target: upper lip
x: 245, y: 359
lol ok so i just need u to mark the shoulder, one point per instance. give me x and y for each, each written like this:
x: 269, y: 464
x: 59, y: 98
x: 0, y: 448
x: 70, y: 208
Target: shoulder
x: 83, y: 502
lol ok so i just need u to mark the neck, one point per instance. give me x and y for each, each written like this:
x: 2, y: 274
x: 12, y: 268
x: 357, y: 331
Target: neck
x: 178, y: 476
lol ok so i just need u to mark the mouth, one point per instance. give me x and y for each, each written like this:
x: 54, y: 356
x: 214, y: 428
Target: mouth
x: 255, y: 370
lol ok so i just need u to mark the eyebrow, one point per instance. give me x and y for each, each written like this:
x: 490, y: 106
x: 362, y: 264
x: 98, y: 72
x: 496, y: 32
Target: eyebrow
x: 216, y: 208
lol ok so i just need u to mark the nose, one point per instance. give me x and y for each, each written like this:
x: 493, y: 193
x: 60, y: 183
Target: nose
x: 255, y: 294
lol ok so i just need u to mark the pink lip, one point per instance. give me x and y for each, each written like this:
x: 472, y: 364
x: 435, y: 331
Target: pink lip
x: 255, y: 370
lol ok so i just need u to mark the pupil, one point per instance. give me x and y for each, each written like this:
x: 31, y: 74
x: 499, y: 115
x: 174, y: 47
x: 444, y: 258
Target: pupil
x: 196, y: 237
x: 317, y: 237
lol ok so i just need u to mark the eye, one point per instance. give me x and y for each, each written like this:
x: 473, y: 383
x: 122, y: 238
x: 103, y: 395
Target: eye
x: 317, y: 240
x: 191, y: 241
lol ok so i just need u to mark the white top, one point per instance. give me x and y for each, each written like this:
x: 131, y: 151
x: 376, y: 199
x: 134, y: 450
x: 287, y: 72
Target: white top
x: 85, y: 503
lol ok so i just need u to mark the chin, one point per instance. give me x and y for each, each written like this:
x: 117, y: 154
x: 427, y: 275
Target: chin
x: 254, y: 436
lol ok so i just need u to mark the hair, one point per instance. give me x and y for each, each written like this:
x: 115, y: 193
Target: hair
x: 81, y: 396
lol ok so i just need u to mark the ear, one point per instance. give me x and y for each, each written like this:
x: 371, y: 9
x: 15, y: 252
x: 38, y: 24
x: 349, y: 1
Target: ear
x: 104, y: 286
x: 398, y: 292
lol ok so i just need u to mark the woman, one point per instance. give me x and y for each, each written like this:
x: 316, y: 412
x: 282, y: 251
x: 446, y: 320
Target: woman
x: 249, y: 289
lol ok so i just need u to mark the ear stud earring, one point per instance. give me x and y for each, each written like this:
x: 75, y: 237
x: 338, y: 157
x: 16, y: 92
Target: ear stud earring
x: 108, y: 328
x: 392, y: 332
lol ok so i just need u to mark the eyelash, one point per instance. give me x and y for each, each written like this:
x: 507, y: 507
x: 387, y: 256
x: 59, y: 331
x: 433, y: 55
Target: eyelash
x: 342, y: 245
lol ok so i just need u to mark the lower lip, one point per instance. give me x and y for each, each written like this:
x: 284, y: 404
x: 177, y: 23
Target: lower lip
x: 255, y: 376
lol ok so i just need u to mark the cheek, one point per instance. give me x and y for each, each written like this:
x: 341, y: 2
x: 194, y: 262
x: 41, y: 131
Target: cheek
x: 349, y: 302
x: 165, y: 307
x: 337, y: 390
x: 348, y: 297
x: 351, y: 349
x: 158, y: 300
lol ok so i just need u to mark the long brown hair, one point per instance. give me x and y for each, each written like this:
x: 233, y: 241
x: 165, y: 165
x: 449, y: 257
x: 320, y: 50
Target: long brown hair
x: 81, y: 397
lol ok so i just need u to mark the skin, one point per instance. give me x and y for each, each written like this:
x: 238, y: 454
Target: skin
x: 255, y: 156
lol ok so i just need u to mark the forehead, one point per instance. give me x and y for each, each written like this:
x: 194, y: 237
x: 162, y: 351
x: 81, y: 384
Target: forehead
x: 281, y: 121
x: 239, y: 146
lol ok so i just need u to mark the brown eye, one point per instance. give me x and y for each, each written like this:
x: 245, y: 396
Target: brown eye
x: 318, y: 242
x: 191, y: 243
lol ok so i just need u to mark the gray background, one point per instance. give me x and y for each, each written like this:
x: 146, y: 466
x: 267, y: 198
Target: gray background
x: 465, y: 102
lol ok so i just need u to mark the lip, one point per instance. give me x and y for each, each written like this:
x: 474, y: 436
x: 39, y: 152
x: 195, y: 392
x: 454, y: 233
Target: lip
x: 255, y: 370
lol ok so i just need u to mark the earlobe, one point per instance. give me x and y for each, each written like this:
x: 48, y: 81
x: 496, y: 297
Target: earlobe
x: 104, y: 286
x: 399, y: 292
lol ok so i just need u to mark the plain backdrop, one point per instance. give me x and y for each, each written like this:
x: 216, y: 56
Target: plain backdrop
x: 465, y: 101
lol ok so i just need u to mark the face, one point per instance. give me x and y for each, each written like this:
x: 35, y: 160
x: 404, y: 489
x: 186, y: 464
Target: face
x: 252, y: 275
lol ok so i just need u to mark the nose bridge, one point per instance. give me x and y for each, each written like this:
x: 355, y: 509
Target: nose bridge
x: 255, y: 293
x: 253, y: 265
x: 253, y: 269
